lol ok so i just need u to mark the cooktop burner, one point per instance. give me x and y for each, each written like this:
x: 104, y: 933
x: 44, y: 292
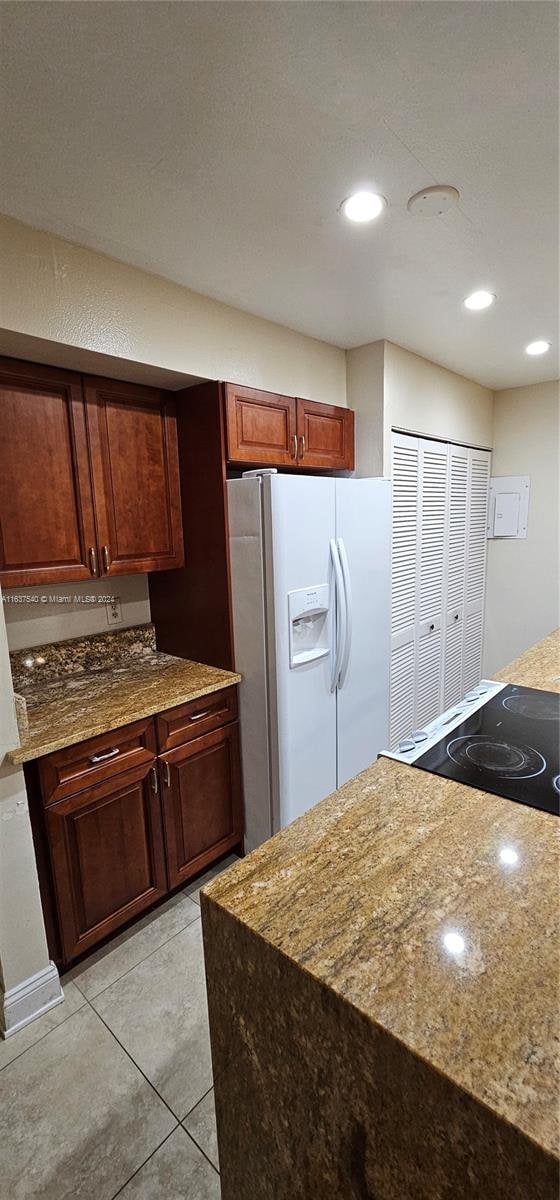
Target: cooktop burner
x: 509, y: 746
x: 506, y: 761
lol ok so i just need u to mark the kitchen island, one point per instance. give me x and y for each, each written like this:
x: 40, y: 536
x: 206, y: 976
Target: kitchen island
x: 356, y: 1056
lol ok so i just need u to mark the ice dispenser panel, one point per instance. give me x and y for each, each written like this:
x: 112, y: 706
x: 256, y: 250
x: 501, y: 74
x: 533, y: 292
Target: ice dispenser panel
x: 309, y: 624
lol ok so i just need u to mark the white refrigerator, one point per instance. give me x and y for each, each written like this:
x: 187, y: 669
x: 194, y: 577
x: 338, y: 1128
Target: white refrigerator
x: 310, y: 563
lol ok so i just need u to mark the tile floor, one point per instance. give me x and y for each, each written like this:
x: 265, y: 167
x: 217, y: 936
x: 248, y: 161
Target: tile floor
x: 110, y: 1094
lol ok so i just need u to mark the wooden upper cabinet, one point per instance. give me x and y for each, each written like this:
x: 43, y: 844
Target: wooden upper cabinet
x: 283, y: 431
x: 135, y: 466
x: 47, y: 529
x: 261, y: 426
x: 325, y: 436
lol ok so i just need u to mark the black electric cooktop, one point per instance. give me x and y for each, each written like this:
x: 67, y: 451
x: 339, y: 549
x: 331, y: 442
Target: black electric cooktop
x: 509, y: 747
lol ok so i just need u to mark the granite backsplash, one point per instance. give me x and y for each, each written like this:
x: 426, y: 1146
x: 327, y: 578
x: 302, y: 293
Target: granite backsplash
x: 98, y: 652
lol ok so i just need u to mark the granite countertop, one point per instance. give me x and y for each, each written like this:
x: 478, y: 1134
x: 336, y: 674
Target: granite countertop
x: 105, y: 693
x: 361, y: 890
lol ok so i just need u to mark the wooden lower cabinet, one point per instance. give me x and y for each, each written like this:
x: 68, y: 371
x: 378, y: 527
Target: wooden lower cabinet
x: 116, y: 827
x: 201, y: 793
x: 107, y: 856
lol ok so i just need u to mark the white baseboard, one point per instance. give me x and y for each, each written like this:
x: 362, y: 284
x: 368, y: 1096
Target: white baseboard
x: 29, y: 1000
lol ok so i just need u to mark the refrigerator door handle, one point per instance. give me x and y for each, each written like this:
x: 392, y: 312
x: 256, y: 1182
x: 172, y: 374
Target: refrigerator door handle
x: 345, y: 656
x: 340, y: 615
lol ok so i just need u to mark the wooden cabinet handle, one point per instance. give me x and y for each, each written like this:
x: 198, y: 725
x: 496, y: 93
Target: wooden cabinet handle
x: 97, y: 758
x: 106, y: 557
x: 93, y: 560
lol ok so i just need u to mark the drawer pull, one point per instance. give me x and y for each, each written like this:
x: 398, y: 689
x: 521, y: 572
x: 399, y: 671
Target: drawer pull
x: 199, y: 716
x: 97, y: 758
x: 106, y: 557
x: 154, y: 778
x: 166, y: 774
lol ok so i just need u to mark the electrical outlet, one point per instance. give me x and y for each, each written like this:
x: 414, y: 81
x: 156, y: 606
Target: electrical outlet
x: 114, y: 611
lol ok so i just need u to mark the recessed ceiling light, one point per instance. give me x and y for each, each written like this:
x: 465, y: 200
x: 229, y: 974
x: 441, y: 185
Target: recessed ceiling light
x: 479, y: 300
x: 538, y: 347
x: 363, y: 206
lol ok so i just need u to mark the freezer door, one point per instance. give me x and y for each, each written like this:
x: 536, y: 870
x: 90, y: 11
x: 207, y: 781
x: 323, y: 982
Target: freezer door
x: 363, y: 534
x: 299, y: 522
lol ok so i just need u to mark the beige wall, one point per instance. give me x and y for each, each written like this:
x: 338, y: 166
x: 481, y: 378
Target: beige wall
x: 365, y: 392
x: 62, y: 293
x: 422, y: 397
x: 42, y: 614
x: 522, y: 588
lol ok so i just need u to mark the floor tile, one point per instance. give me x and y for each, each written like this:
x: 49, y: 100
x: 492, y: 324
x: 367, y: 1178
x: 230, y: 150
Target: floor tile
x: 109, y: 963
x: 26, y: 1037
x: 177, y: 1171
x: 158, y: 1012
x: 194, y: 890
x: 77, y: 1117
x: 201, y: 1124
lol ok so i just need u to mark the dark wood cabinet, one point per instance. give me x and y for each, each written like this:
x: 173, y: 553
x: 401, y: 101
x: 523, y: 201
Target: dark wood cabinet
x: 135, y: 465
x: 116, y: 827
x: 261, y: 426
x: 273, y: 430
x: 201, y: 792
x: 107, y: 856
x: 47, y: 528
x: 89, y: 477
x: 325, y: 434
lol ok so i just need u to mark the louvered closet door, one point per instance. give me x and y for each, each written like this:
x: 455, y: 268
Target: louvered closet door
x: 455, y: 574
x: 405, y: 473
x: 430, y: 579
x: 478, y: 486
x: 440, y: 497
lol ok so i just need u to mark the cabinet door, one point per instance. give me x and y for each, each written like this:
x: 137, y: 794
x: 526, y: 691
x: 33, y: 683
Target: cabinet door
x: 261, y: 426
x: 201, y: 790
x: 135, y: 463
x: 47, y: 531
x: 325, y: 436
x: 106, y: 847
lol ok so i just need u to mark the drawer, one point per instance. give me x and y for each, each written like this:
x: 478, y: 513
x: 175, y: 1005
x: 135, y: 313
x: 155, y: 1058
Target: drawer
x: 68, y: 771
x: 186, y: 721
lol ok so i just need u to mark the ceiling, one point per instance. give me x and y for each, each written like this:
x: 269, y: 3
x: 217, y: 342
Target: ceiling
x: 212, y: 143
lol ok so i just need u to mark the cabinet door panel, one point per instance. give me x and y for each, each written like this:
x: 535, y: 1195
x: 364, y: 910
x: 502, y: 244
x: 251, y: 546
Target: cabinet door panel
x: 133, y: 438
x: 201, y: 801
x: 261, y: 426
x: 46, y: 512
x: 325, y: 436
x: 107, y: 857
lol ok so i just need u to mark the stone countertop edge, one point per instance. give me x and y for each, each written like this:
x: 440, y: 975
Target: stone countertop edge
x: 416, y: 854
x: 163, y: 683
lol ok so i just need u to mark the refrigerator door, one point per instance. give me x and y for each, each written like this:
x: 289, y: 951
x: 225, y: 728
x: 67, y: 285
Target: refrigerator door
x: 363, y: 533
x: 246, y: 549
x: 299, y: 521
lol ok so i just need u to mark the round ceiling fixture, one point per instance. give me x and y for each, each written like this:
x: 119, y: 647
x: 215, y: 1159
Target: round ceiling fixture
x: 433, y: 201
x: 479, y: 300
x: 362, y: 207
x: 538, y: 347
